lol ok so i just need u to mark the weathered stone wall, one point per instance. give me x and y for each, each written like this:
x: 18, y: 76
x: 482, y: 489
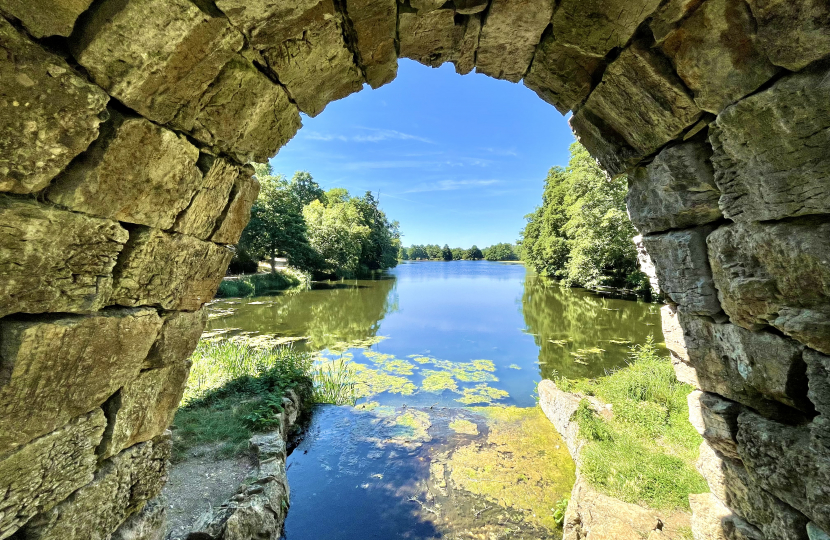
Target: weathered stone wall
x: 126, y: 127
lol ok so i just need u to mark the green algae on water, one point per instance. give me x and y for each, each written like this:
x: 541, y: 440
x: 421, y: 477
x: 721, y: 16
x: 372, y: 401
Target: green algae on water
x: 438, y: 381
x: 481, y: 394
x: 514, y: 366
x: 464, y: 426
x: 371, y: 382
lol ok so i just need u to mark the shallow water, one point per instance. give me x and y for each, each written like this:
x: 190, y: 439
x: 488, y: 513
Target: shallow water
x: 449, y: 333
x: 426, y: 341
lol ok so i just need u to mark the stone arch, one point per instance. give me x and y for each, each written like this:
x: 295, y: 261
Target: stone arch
x: 127, y: 126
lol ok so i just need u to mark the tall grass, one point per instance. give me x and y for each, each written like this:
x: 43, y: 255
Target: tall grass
x: 262, y: 284
x: 235, y: 389
x: 334, y: 382
x: 645, y: 454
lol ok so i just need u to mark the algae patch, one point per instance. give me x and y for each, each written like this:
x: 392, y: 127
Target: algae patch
x: 464, y: 426
x: 523, y: 465
x: 481, y: 394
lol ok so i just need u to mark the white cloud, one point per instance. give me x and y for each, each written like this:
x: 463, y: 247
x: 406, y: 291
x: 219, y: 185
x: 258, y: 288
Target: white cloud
x: 367, y: 135
x: 450, y: 185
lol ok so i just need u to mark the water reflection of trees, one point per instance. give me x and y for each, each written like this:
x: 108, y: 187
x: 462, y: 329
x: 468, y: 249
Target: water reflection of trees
x: 580, y: 334
x: 328, y: 314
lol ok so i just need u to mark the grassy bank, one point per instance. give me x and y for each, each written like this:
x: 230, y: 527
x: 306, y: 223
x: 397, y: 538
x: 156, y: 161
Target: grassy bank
x: 261, y: 284
x: 235, y: 390
x: 645, y: 454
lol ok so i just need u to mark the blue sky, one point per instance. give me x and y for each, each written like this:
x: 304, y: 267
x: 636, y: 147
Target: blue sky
x: 457, y: 160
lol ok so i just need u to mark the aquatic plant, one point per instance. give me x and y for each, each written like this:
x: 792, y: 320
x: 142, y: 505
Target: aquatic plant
x: 437, y: 381
x: 334, y: 383
x: 466, y: 427
x: 560, y: 509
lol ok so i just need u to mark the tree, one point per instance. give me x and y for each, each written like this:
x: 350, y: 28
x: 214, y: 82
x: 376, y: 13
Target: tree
x: 305, y: 189
x: 581, y: 233
x: 277, y: 227
x: 500, y: 252
x: 380, y: 249
x: 433, y: 251
x: 403, y: 254
x: 458, y: 253
x: 446, y: 253
x: 337, y: 232
x: 417, y: 252
x: 474, y: 254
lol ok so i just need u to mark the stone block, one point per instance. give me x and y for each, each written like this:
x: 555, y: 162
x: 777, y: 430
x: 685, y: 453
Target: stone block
x: 425, y: 6
x: 238, y: 212
x: 607, y: 146
x: 711, y: 520
x: 776, y: 274
x: 641, y: 99
x: 470, y: 7
x: 815, y: 533
x: 716, y: 55
x: 465, y: 58
x: 242, y: 113
x: 562, y: 75
x: 267, y: 23
x: 136, y: 172
x: 121, y: 487
x: 770, y: 150
x: 314, y: 63
x: 818, y: 373
x: 716, y: 419
x: 375, y: 25
x: 201, y: 217
x: 683, y: 270
x: 148, y: 524
x: 677, y: 190
x: 666, y: 18
x: 144, y: 407
x: 155, y: 56
x: 781, y: 459
x: 752, y: 368
x: 61, y: 367
x: 792, y: 34
x: 431, y: 38
x: 179, y: 335
x: 598, y: 26
x: 44, y: 18
x: 731, y: 484
x: 174, y: 271
x: 646, y: 264
x: 48, y: 113
x: 509, y: 37
x: 41, y: 474
x: 54, y: 260
x: 673, y: 332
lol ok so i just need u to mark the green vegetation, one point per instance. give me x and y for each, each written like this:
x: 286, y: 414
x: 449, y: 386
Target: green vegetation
x: 433, y: 252
x: 326, y: 233
x: 235, y: 390
x: 645, y: 454
x: 581, y: 234
x: 260, y: 284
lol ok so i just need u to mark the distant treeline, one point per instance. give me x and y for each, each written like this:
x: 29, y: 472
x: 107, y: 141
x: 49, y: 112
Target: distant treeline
x: 581, y: 234
x: 433, y: 252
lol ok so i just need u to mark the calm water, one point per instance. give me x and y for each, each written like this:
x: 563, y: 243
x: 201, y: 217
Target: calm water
x: 424, y: 340
x: 434, y: 316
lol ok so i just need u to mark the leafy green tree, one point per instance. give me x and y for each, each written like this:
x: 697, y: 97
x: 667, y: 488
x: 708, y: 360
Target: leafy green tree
x: 380, y: 249
x: 337, y: 232
x: 581, y: 233
x: 500, y: 252
x: 474, y: 254
x: 417, y: 252
x: 305, y: 189
x: 446, y: 253
x: 403, y: 254
x: 433, y: 251
x: 458, y: 254
x: 277, y: 227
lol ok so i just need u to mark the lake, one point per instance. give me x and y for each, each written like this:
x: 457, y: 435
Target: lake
x: 449, y: 333
x: 446, y: 440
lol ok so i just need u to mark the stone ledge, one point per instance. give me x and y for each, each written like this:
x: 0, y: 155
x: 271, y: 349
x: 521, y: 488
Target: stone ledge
x: 258, y: 509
